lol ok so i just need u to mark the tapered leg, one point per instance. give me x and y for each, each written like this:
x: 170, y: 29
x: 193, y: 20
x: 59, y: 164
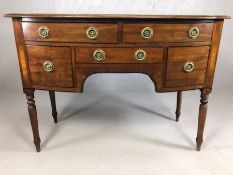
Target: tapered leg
x: 33, y: 117
x: 202, y: 117
x: 178, y: 105
x: 53, y: 105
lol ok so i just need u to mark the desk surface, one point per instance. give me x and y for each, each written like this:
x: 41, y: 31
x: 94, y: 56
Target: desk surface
x: 116, y: 16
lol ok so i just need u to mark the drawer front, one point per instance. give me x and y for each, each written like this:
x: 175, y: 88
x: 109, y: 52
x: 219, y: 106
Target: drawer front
x: 50, y: 66
x: 71, y: 32
x: 149, y: 33
x: 180, y: 63
x: 119, y: 55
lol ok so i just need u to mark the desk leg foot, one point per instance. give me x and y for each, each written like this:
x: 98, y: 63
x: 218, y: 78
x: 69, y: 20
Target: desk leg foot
x: 178, y: 105
x: 202, y: 117
x: 53, y: 105
x: 33, y: 117
x: 37, y: 144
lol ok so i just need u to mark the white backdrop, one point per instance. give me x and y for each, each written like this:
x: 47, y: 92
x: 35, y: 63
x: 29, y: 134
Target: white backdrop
x: 9, y: 70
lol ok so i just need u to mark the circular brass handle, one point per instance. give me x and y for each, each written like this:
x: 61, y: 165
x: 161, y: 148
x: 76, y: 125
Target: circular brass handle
x: 189, y: 66
x: 147, y: 33
x: 44, y: 32
x: 92, y: 33
x: 99, y: 55
x: 193, y: 32
x: 48, y: 66
x: 140, y: 55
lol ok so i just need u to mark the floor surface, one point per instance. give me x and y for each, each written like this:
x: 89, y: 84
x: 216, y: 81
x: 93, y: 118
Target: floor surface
x: 116, y: 133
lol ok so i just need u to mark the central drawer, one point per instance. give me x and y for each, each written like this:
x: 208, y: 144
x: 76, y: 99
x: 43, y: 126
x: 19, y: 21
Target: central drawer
x: 119, y: 55
x: 71, y: 32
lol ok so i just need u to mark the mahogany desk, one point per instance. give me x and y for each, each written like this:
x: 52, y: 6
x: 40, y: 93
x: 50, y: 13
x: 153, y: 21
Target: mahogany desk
x: 58, y: 52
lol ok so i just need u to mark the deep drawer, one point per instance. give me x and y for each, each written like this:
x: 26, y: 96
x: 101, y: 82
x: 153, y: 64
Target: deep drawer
x: 149, y: 33
x: 186, y: 66
x: 71, y: 32
x: 119, y: 55
x: 50, y: 66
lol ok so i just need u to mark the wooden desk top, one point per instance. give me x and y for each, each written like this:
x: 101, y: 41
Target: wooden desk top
x: 115, y: 16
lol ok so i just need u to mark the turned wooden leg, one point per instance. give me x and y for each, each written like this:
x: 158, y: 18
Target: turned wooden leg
x: 202, y: 117
x: 33, y: 117
x: 53, y: 105
x: 178, y: 105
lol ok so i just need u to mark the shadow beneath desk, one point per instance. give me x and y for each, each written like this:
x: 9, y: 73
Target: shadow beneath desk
x: 190, y: 140
x: 97, y: 134
x: 106, y: 101
x: 110, y: 109
x: 142, y: 108
x: 155, y: 141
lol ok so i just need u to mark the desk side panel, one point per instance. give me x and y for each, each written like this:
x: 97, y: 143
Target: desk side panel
x: 22, y: 54
x: 215, y: 43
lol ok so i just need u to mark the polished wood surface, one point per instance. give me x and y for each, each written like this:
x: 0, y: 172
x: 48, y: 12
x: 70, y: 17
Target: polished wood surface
x: 166, y: 32
x: 112, y: 16
x: 202, y: 117
x: 33, y: 116
x: 66, y: 56
x: 59, y: 56
x: 177, y: 57
x: 85, y: 70
x: 53, y: 105
x: 178, y: 105
x: 119, y: 55
x: 63, y: 32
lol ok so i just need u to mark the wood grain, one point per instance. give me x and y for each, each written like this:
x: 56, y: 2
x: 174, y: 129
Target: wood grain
x: 114, y: 16
x: 202, y: 117
x: 59, y: 56
x: 177, y: 57
x: 33, y: 117
x: 22, y: 55
x: 122, y: 45
x: 119, y: 55
x: 166, y: 32
x: 71, y: 32
x: 154, y: 71
x: 215, y: 43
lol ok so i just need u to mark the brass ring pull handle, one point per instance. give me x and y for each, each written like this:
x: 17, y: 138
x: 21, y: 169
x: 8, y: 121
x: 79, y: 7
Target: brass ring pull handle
x: 44, y: 32
x: 140, y: 55
x: 189, y: 66
x: 99, y: 55
x: 48, y: 66
x: 92, y: 33
x: 193, y: 32
x: 147, y: 33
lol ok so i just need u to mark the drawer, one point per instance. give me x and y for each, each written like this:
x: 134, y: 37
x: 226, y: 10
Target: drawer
x: 119, y: 55
x: 186, y: 66
x: 50, y: 66
x: 149, y: 33
x: 71, y: 32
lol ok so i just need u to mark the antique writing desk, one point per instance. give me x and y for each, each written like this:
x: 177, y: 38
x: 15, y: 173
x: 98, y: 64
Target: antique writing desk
x: 58, y: 52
